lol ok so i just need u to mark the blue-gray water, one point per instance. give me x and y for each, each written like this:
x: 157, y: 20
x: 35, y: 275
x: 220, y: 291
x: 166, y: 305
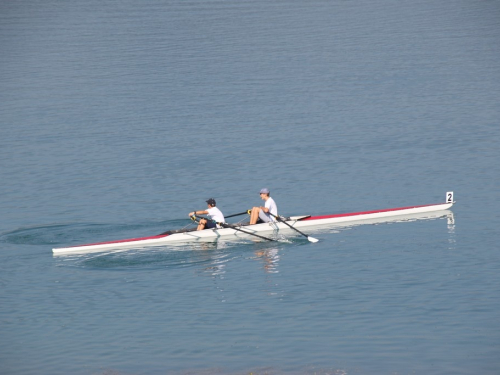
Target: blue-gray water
x: 117, y: 118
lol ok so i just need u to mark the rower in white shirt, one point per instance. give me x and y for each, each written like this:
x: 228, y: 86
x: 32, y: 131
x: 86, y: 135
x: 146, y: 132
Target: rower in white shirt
x: 262, y: 214
x: 213, y: 212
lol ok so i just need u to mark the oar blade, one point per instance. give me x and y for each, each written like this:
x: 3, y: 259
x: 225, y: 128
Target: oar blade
x: 312, y: 239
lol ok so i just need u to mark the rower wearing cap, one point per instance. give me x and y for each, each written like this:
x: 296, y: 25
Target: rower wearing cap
x: 213, y: 212
x: 262, y: 214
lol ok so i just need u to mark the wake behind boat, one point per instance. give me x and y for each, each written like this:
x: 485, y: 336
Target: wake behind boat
x: 305, y: 222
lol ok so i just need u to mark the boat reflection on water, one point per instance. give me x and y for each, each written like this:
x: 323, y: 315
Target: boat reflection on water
x: 451, y: 230
x: 451, y: 221
x: 270, y: 258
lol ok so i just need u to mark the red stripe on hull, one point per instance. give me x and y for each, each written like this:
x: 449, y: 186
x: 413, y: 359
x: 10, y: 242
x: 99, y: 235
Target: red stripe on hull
x: 366, y: 212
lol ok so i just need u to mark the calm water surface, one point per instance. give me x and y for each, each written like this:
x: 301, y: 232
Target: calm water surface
x: 119, y: 118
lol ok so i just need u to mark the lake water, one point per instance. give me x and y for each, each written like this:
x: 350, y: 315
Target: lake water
x: 118, y: 118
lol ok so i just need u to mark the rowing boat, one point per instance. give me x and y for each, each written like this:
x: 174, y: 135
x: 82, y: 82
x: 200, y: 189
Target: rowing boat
x: 245, y: 231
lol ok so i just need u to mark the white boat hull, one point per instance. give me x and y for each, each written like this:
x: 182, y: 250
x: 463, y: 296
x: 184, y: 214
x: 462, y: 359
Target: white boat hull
x: 312, y: 223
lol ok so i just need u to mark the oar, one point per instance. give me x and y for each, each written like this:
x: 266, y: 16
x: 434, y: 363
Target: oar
x: 311, y: 239
x: 241, y: 213
x: 224, y: 225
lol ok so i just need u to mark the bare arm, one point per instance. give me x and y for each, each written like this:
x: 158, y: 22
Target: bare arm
x: 198, y: 213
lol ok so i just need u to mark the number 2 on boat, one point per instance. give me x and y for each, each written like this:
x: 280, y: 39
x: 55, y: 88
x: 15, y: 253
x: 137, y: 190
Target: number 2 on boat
x: 449, y: 197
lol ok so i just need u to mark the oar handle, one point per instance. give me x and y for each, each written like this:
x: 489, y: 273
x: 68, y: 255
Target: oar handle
x: 241, y: 213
